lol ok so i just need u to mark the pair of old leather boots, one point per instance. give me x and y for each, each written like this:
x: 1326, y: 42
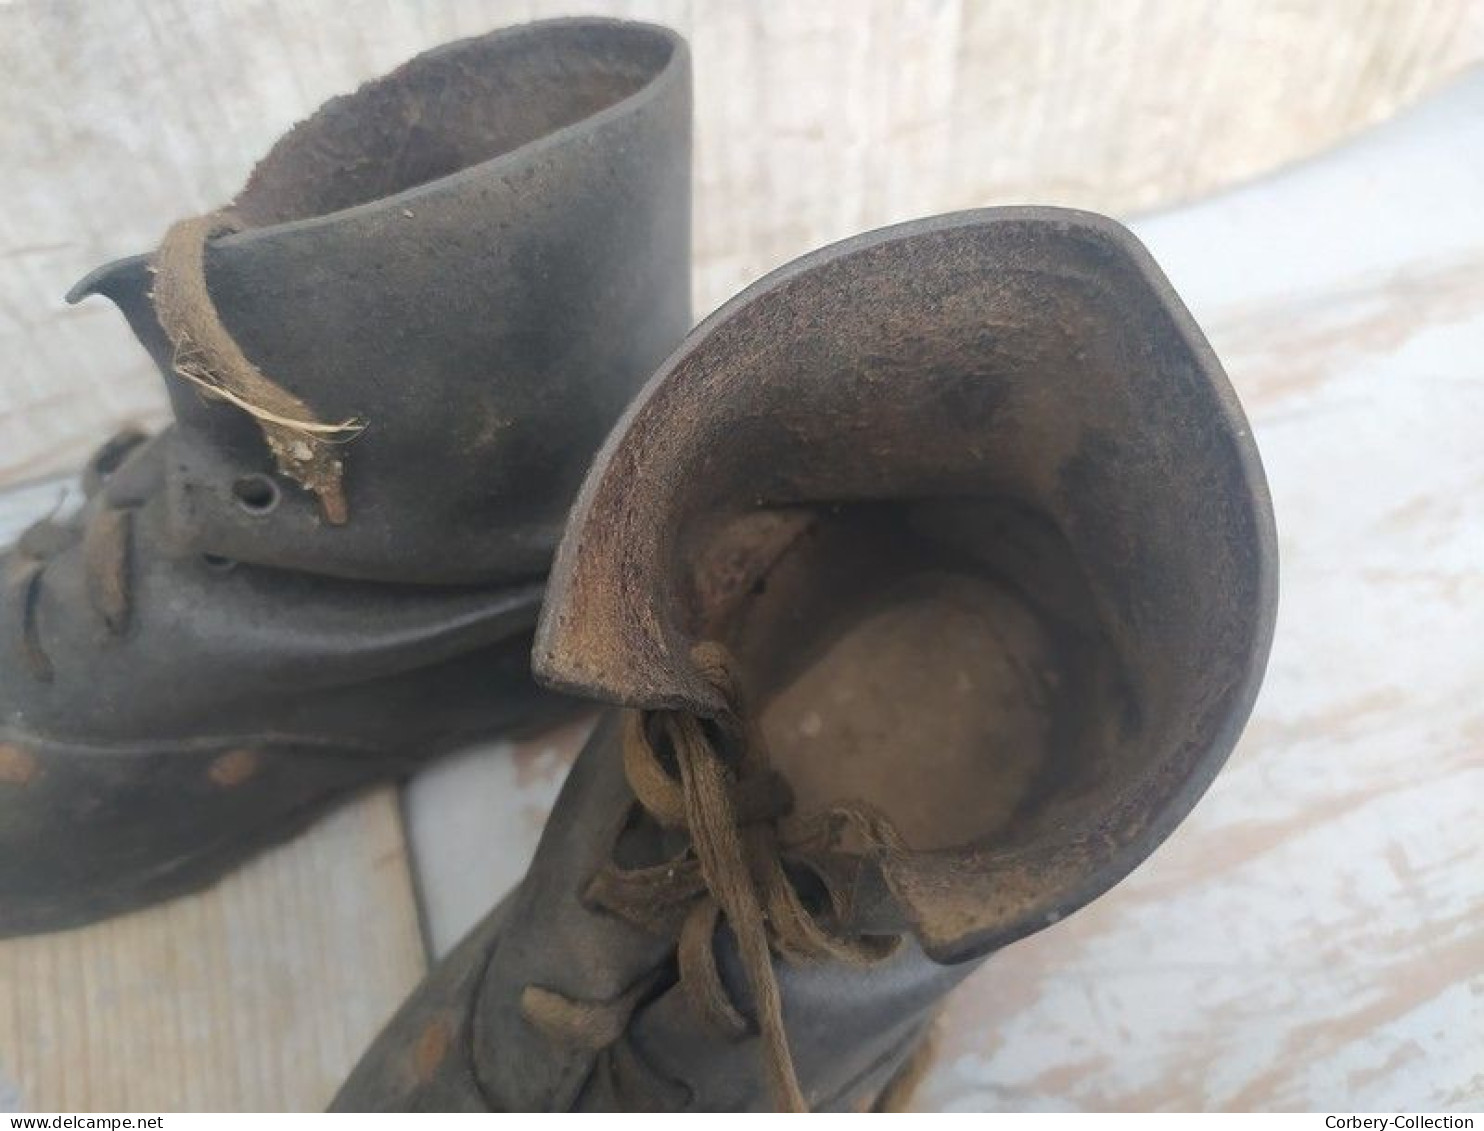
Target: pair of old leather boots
x: 931, y: 579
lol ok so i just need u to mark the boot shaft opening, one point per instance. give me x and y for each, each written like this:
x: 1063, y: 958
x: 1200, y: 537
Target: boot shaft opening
x: 451, y: 108
x: 939, y: 662
x: 997, y: 541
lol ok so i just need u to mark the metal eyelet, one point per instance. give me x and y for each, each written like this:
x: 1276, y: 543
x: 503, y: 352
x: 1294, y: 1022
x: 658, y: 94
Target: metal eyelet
x: 256, y: 494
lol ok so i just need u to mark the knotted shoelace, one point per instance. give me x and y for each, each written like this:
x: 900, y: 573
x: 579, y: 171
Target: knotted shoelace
x: 733, y: 869
x: 107, y: 539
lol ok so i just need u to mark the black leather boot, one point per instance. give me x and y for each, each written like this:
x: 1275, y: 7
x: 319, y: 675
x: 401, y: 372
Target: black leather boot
x: 390, y: 363
x: 935, y: 577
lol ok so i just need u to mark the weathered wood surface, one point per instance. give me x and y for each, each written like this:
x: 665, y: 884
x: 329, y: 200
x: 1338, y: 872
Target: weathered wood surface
x: 1313, y: 937
x: 814, y: 120
x: 257, y: 995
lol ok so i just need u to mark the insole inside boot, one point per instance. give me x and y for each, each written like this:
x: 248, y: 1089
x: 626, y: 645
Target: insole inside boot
x: 933, y: 707
x: 889, y: 673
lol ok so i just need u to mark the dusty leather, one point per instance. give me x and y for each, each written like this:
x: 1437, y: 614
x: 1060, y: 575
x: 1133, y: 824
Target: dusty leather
x: 1015, y: 392
x: 480, y: 256
x: 461, y: 1044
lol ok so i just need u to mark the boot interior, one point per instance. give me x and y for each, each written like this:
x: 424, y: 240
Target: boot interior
x: 977, y: 511
x: 939, y: 662
x: 457, y: 106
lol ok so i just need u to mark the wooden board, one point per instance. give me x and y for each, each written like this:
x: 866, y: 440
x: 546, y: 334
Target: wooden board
x: 1313, y: 937
x: 255, y: 996
x: 814, y: 121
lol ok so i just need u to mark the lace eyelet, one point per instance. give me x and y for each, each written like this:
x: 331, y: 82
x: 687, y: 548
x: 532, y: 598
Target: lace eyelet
x: 256, y: 494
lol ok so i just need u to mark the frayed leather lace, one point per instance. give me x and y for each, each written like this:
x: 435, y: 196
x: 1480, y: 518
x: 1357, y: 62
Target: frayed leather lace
x: 106, y: 538
x: 733, y: 870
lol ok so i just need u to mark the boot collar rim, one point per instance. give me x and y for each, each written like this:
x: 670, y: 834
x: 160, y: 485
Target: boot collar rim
x: 501, y: 165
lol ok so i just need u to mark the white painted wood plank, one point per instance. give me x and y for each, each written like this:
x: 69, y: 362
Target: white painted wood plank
x: 256, y: 995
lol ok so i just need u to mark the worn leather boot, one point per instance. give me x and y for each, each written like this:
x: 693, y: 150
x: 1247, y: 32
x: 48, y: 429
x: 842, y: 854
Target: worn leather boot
x: 390, y: 364
x: 935, y: 576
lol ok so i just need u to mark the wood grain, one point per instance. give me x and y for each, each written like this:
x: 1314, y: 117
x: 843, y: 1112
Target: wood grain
x: 814, y: 121
x: 257, y: 995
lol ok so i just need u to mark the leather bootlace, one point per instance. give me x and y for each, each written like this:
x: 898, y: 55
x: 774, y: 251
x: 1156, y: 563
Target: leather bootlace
x: 204, y: 353
x: 106, y: 538
x: 733, y: 869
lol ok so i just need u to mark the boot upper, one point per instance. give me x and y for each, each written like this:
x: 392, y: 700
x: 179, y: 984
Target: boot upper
x: 479, y: 256
x: 934, y: 576
x: 477, y: 259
